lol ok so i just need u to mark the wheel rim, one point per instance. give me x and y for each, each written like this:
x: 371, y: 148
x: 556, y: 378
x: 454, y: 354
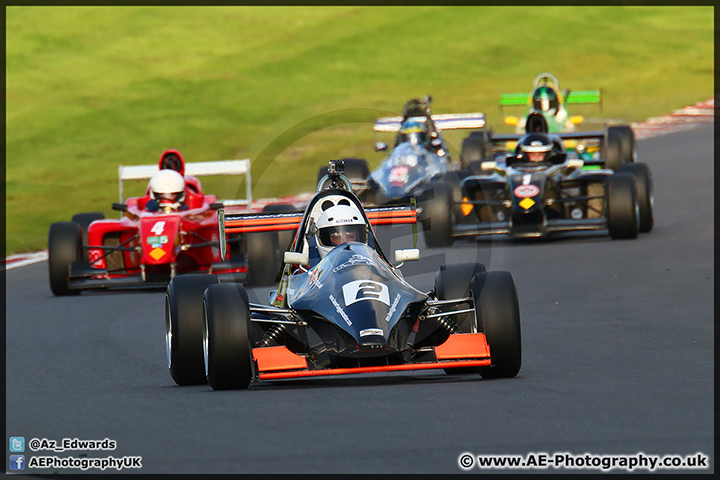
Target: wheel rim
x: 168, y: 332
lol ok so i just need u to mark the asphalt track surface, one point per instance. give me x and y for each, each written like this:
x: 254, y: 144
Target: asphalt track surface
x: 617, y: 359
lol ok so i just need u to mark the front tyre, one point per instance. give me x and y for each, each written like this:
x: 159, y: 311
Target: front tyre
x: 644, y: 188
x: 64, y: 249
x: 184, y: 327
x: 226, y: 339
x: 622, y: 206
x: 498, y: 311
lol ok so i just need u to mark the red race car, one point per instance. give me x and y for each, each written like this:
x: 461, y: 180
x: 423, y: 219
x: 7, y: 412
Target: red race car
x: 159, y: 237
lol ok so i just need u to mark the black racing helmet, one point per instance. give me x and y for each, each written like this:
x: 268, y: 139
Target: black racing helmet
x: 535, y: 148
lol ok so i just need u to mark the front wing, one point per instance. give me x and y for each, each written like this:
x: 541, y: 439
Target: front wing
x: 459, y: 350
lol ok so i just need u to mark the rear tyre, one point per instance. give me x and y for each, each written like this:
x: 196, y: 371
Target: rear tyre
x: 437, y: 216
x: 475, y: 148
x: 226, y: 339
x: 64, y: 249
x: 613, y: 151
x: 285, y: 237
x: 262, y: 251
x: 453, y: 281
x: 628, y: 143
x: 498, y: 311
x: 644, y: 189
x: 84, y: 220
x: 622, y: 206
x: 184, y: 327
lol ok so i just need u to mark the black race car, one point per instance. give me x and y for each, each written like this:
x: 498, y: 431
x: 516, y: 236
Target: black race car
x: 340, y: 308
x: 538, y: 189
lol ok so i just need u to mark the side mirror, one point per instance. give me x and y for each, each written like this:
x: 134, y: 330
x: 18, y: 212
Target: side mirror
x: 576, y: 119
x: 380, y: 146
x: 216, y: 206
x: 512, y: 120
x: 407, y: 255
x: 120, y: 207
x: 296, y: 258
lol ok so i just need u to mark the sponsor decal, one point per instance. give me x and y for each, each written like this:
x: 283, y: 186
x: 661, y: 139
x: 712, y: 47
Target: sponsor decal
x: 354, y: 260
x: 399, y: 175
x: 157, y: 253
x: 157, y: 241
x: 526, y: 179
x: 371, y: 331
x: 94, y: 256
x: 340, y: 310
x: 365, y: 290
x: 526, y: 191
x: 392, y: 308
x: 526, y: 203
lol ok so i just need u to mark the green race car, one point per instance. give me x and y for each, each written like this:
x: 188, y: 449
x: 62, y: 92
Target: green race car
x: 547, y: 99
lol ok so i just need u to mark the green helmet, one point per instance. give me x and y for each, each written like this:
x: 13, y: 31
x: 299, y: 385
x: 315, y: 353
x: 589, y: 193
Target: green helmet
x: 545, y: 100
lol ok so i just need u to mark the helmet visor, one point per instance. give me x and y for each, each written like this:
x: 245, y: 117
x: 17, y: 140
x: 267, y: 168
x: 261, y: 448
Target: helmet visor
x: 337, y: 235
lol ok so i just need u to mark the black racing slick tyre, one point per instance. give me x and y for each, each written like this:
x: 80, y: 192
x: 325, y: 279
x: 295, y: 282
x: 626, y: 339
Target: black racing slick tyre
x: 622, y: 206
x: 498, y: 312
x: 226, y: 337
x: 644, y: 188
x: 437, y: 215
x: 613, y: 151
x: 452, y: 282
x: 64, y: 249
x: 475, y: 148
x: 184, y: 327
x: 628, y: 143
x: 264, y: 259
x: 285, y: 237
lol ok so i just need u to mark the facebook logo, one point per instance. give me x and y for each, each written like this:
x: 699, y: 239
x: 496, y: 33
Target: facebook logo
x: 17, y: 462
x: 17, y: 444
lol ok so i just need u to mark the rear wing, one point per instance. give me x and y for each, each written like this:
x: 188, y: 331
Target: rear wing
x: 569, y: 97
x: 448, y: 121
x: 221, y: 167
x: 590, y: 135
x: 570, y: 139
x: 276, y: 222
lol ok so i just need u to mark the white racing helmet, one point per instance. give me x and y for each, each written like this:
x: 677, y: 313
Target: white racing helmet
x: 340, y: 224
x: 167, y: 188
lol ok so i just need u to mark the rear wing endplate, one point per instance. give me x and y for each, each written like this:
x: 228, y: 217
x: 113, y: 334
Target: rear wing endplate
x: 448, y: 121
x: 221, y: 167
